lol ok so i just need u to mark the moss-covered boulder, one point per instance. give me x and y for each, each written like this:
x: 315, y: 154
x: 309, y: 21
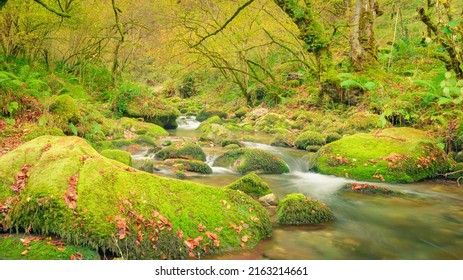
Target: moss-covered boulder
x: 215, y: 133
x: 62, y: 186
x: 194, y: 166
x: 252, y: 185
x: 183, y: 150
x: 363, y: 121
x: 297, y: 209
x: 121, y: 156
x: 310, y: 139
x: 390, y: 155
x: 143, y: 128
x: 20, y: 247
x: 247, y: 160
x: 138, y: 103
x: 206, y: 114
x: 271, y: 122
x: 282, y: 140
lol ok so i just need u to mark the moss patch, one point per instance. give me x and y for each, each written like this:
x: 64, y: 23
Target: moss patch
x: 38, y: 248
x: 390, y: 155
x: 309, y: 139
x: 246, y: 160
x: 366, y: 188
x: 194, y: 166
x: 143, y: 128
x: 297, y: 209
x: 121, y: 156
x: 182, y: 150
x: 252, y: 185
x: 80, y: 196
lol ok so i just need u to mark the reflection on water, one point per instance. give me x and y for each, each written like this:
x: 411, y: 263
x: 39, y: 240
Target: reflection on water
x: 425, y: 224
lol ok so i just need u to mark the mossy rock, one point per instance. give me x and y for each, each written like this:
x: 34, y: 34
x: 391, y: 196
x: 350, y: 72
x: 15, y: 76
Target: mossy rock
x: 215, y: 133
x: 227, y: 142
x: 332, y: 136
x: 147, y: 106
x: 245, y: 160
x: 65, y: 110
x: 240, y: 113
x: 272, y: 121
x: 194, y: 166
x: 33, y: 131
x: 365, y: 188
x: 143, y: 128
x: 282, y: 141
x: 252, y: 185
x: 206, y: 114
x: 363, y: 121
x: 232, y: 146
x: 69, y: 190
x: 391, y: 155
x: 39, y: 248
x: 297, y: 209
x: 146, y: 165
x: 182, y: 150
x: 309, y: 138
x: 121, y: 156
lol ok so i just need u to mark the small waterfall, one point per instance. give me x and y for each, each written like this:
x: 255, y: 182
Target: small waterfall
x: 187, y: 122
x: 210, y: 159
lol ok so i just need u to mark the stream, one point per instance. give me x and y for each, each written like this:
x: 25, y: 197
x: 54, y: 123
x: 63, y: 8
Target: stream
x: 425, y: 224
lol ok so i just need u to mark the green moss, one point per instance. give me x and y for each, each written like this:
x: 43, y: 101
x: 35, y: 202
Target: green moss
x: 309, y: 138
x: 240, y: 113
x: 332, y: 136
x: 121, y: 156
x: 182, y: 150
x: 112, y: 199
x: 295, y: 209
x: 227, y: 142
x: 195, y: 166
x: 34, y: 131
x: 246, y: 160
x: 143, y: 128
x: 206, y: 114
x: 252, y: 185
x: 391, y: 155
x: 271, y: 122
x: 232, y: 146
x: 65, y: 108
x: 363, y: 121
x: 282, y: 141
x: 12, y: 248
x: 215, y: 132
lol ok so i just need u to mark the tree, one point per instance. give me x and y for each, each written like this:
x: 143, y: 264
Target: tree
x: 448, y: 32
x: 363, y: 50
x: 63, y: 11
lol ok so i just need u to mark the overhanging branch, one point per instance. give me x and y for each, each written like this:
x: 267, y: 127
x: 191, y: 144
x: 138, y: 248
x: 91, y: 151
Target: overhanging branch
x: 56, y: 12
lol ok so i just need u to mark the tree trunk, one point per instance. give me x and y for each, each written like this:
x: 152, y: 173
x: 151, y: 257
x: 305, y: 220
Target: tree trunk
x: 363, y: 50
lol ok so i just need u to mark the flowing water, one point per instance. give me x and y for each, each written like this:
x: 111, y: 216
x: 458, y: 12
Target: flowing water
x: 425, y: 224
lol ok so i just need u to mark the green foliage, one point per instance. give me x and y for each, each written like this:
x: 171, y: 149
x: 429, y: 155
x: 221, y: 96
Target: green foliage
x: 187, y: 88
x: 251, y: 184
x: 297, y: 209
x: 245, y: 160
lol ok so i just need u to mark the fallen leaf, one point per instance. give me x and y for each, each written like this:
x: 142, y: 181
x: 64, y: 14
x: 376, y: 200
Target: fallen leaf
x: 212, y: 236
x: 72, y: 257
x: 244, y: 238
x: 46, y: 147
x: 243, y: 245
x: 201, y: 227
x: 23, y: 253
x: 61, y: 249
x: 224, y: 202
x: 80, y: 256
x: 219, y: 229
x: 255, y: 219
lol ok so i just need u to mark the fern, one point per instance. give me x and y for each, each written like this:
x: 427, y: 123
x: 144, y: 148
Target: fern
x: 351, y: 84
x: 425, y: 84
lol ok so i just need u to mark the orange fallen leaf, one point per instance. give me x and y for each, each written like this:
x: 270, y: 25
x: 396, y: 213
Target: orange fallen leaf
x: 244, y: 238
x: 23, y: 253
x: 201, y: 227
x: 61, y: 249
x: 219, y: 229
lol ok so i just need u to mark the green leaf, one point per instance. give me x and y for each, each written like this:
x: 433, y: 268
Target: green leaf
x: 447, y: 30
x: 425, y: 84
x: 350, y: 84
x: 388, y: 112
x: 444, y: 101
x: 370, y: 86
x: 454, y: 23
x: 73, y: 128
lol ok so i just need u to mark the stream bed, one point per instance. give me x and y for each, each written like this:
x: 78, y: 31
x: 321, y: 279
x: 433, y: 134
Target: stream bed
x: 427, y: 223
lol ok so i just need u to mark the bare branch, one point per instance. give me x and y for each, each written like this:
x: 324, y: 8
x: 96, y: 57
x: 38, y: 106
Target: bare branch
x: 51, y: 9
x: 237, y: 12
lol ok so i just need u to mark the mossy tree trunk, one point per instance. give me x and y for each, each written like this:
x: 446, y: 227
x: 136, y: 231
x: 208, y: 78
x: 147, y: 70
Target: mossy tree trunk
x: 446, y: 31
x: 363, y: 50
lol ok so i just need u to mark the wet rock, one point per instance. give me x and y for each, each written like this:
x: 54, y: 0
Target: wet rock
x: 182, y: 150
x: 366, y: 188
x: 297, y: 209
x: 257, y: 113
x: 269, y: 200
x: 252, y: 185
x: 245, y: 160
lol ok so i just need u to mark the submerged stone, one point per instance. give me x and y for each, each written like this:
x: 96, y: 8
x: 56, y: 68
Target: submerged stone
x: 62, y: 186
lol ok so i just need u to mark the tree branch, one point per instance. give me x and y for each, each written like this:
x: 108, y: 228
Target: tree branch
x: 237, y: 12
x: 56, y: 12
